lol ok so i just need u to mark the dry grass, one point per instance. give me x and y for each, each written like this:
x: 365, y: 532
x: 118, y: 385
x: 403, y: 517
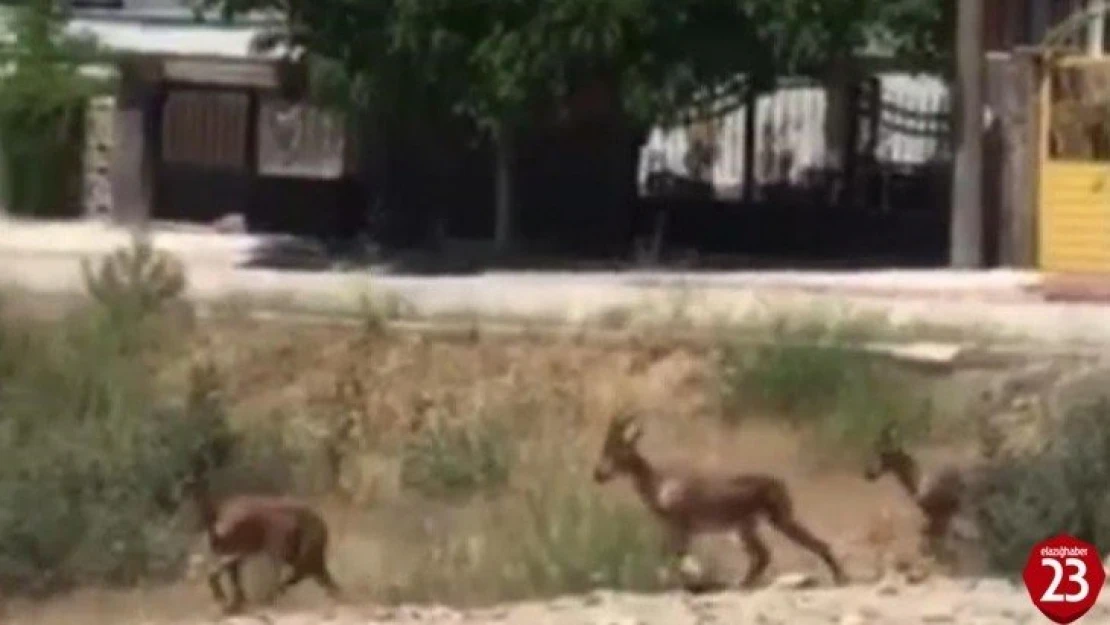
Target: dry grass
x: 364, y: 398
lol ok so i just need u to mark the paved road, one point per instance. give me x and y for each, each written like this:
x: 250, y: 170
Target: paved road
x: 46, y: 257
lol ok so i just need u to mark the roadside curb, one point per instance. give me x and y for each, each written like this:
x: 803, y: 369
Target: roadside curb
x: 936, y: 355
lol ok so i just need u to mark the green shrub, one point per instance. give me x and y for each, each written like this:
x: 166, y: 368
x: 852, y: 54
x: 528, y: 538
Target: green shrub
x: 94, y: 445
x: 576, y: 540
x: 40, y: 162
x: 846, y: 395
x: 796, y: 381
x: 92, y: 453
x: 456, y: 459
x: 565, y: 540
x: 133, y: 283
x: 1024, y: 499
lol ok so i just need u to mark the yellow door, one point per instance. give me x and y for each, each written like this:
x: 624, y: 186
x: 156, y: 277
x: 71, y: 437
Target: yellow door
x: 1075, y: 216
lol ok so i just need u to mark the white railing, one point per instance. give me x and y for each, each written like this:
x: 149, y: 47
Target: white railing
x: 790, y: 139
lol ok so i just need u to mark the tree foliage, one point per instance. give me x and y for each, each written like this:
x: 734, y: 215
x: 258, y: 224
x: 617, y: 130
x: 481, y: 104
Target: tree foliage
x: 499, y: 61
x: 42, y: 95
x: 45, y: 61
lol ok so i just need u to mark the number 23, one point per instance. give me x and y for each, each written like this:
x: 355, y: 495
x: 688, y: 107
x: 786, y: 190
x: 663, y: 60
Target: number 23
x: 1051, y: 594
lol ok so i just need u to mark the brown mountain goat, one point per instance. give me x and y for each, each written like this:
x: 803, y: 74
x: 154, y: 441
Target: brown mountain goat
x: 244, y: 525
x: 939, y: 495
x: 688, y: 503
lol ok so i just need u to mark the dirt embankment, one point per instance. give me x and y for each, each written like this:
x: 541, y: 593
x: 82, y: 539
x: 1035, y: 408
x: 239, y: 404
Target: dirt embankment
x: 392, y: 545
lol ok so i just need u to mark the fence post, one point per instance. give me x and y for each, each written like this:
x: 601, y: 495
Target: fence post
x: 1096, y: 27
x: 1012, y: 92
x: 966, y: 229
x: 750, y: 119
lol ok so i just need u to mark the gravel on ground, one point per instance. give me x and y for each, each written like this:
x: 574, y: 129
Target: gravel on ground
x: 937, y: 601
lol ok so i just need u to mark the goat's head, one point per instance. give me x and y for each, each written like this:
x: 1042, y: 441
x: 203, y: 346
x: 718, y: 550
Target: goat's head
x: 619, y: 450
x: 888, y: 455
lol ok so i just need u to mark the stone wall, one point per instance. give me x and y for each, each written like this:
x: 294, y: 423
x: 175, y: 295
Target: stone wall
x: 96, y: 198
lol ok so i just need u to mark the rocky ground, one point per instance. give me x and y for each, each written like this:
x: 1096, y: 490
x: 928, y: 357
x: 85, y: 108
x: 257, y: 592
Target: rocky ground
x: 966, y: 602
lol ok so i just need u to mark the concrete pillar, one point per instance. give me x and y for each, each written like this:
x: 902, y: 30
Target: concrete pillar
x: 133, y: 153
x: 1096, y: 27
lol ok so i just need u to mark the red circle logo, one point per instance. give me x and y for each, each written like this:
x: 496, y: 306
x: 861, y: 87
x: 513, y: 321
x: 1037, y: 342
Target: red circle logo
x: 1064, y: 577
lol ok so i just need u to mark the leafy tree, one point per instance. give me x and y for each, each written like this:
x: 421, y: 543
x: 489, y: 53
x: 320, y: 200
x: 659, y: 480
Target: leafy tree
x: 41, y: 97
x: 502, y: 63
x: 917, y: 32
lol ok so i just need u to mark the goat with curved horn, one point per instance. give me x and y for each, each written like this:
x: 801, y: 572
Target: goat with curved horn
x: 939, y: 495
x: 689, y: 502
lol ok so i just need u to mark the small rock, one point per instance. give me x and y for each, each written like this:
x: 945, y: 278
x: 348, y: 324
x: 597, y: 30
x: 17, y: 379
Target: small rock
x: 938, y: 616
x: 410, y: 613
x: 869, y: 612
x: 917, y: 575
x: 929, y: 353
x: 231, y: 223
x: 767, y: 619
x: 618, y: 620
x: 852, y: 618
x: 888, y: 585
x: 443, y: 614
x: 690, y: 570
x: 495, y: 614
x: 705, y: 607
x: 597, y: 597
x: 795, y: 581
x: 563, y: 603
x: 383, y: 614
x: 991, y: 585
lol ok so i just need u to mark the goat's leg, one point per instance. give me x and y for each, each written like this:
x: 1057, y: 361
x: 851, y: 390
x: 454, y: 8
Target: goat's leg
x: 757, y: 551
x: 792, y: 529
x: 933, y: 536
x: 294, y: 578
x: 311, y: 563
x: 214, y: 573
x: 318, y: 572
x: 323, y: 577
x: 678, y: 544
x: 302, y: 567
x: 238, y: 597
x: 215, y: 586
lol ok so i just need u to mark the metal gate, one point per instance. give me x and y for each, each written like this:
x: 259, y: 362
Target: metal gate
x: 204, y: 170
